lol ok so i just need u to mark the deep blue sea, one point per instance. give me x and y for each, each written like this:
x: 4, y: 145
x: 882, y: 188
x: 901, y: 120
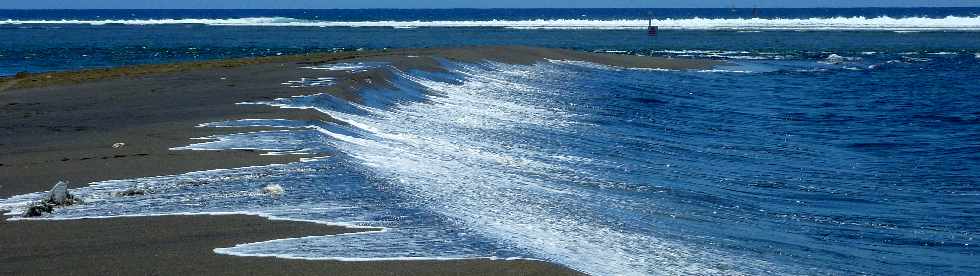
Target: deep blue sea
x: 832, y: 142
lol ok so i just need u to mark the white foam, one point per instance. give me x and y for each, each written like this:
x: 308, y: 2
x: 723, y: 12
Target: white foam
x: 613, y: 51
x: 276, y: 123
x: 593, y: 65
x: 347, y: 66
x: 905, y: 24
x: 310, y: 82
x: 834, y: 59
x: 435, y: 157
x: 585, y: 64
x: 258, y: 249
x: 916, y: 59
x: 723, y: 54
x: 686, y: 51
x: 725, y: 71
x: 273, y: 189
x: 652, y: 69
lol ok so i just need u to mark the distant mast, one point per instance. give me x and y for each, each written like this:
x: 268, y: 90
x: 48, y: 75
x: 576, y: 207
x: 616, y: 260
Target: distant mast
x: 651, y: 29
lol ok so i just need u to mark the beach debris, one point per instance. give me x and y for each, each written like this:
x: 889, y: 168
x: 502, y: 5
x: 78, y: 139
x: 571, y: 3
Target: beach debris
x: 132, y: 191
x: 118, y: 145
x: 273, y: 189
x: 58, y: 196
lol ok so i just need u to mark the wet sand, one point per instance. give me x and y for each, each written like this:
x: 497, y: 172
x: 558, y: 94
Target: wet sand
x: 61, y: 126
x: 182, y: 245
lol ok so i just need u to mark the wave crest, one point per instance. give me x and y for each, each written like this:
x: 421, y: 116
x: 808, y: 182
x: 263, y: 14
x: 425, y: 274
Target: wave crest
x: 697, y: 23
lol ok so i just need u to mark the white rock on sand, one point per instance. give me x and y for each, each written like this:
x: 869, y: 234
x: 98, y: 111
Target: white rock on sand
x: 59, y: 193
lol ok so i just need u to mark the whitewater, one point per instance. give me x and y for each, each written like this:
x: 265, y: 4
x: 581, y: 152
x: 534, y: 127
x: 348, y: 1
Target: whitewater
x: 857, y: 23
x: 413, y: 166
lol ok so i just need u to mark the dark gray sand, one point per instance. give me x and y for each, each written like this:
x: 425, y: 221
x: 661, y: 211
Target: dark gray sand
x: 182, y: 245
x: 67, y: 132
x: 62, y: 126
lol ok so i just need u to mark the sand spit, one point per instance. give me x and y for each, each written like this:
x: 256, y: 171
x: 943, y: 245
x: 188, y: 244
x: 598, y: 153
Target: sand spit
x: 403, y: 58
x: 119, y: 123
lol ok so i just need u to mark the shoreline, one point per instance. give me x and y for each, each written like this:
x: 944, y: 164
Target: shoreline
x: 62, y: 126
x: 168, y: 245
x: 505, y: 54
x: 56, y: 120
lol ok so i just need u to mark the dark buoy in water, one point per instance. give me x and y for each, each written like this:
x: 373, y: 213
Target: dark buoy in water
x: 651, y: 29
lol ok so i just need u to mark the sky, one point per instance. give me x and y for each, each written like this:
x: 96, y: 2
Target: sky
x: 346, y: 4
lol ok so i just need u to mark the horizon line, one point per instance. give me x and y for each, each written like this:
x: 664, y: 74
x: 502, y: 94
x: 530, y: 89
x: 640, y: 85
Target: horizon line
x: 522, y: 8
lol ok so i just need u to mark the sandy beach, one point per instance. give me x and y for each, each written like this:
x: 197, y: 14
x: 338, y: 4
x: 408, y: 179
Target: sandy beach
x: 63, y: 125
x: 183, y: 245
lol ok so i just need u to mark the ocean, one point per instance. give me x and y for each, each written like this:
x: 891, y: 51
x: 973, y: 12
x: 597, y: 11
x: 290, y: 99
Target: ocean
x: 832, y: 141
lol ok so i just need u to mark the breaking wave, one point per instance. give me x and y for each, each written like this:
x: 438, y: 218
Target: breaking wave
x: 604, y: 170
x: 414, y: 164
x: 697, y: 23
